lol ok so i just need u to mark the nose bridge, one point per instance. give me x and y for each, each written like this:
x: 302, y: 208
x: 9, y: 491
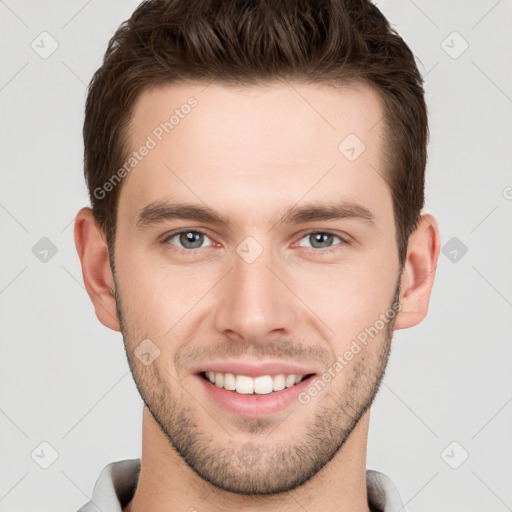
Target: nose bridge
x: 253, y: 302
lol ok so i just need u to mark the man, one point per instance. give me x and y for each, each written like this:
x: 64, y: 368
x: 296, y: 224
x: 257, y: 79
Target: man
x: 256, y: 173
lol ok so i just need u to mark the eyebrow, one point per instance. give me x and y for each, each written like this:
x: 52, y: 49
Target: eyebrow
x: 158, y: 212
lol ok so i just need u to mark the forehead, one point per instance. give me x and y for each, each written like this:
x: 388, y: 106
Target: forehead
x: 281, y: 140
x: 292, y: 112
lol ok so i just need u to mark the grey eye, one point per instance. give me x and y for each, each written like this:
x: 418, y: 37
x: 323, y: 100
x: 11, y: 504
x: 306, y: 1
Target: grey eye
x: 189, y: 239
x: 320, y: 239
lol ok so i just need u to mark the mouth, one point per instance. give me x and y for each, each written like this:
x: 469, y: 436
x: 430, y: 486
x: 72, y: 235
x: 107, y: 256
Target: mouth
x: 258, y: 395
x: 258, y: 385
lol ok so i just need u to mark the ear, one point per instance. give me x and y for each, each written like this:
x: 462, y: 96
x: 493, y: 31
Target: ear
x: 93, y: 253
x: 418, y: 273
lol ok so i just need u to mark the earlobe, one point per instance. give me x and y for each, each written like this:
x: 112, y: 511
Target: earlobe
x: 97, y: 275
x: 419, y: 272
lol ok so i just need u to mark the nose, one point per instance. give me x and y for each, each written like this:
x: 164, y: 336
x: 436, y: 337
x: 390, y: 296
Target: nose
x: 254, y: 301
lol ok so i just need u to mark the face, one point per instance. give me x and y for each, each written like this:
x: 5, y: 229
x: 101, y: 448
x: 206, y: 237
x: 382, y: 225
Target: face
x: 255, y: 248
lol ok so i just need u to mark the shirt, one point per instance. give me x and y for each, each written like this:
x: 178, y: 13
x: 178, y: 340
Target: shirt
x: 116, y: 486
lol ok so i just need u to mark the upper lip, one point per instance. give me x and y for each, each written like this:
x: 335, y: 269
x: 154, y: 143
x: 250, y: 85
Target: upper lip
x: 255, y: 369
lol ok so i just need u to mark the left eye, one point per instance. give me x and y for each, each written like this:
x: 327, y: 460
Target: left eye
x: 189, y: 239
x: 320, y: 239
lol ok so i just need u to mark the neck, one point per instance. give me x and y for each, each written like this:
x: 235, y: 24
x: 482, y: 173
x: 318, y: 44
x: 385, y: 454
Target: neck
x: 167, y: 483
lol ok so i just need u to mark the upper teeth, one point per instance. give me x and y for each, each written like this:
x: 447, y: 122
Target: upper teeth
x: 248, y: 385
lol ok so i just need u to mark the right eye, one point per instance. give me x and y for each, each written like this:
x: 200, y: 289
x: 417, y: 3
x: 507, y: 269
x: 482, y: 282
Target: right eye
x: 188, y: 239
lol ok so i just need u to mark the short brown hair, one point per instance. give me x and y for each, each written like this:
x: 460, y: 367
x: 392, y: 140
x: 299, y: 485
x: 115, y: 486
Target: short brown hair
x: 249, y: 42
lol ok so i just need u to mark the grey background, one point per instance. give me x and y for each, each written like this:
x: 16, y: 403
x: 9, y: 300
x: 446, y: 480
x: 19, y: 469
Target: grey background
x: 64, y: 377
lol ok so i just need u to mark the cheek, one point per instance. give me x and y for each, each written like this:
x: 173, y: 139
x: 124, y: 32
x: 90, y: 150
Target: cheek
x: 352, y: 298
x: 159, y: 297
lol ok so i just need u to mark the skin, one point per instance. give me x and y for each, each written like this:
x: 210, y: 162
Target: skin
x: 250, y: 154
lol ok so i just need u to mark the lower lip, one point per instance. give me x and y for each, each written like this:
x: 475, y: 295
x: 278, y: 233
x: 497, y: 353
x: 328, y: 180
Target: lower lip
x: 254, y: 406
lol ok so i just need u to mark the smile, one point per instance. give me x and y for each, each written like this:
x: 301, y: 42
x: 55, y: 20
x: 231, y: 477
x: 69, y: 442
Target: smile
x: 254, y: 389
x: 259, y: 385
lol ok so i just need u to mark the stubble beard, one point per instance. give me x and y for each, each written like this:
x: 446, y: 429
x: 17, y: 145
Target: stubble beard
x: 261, y: 467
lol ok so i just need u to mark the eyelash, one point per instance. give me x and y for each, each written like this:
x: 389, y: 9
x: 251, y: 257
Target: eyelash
x: 192, y: 252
